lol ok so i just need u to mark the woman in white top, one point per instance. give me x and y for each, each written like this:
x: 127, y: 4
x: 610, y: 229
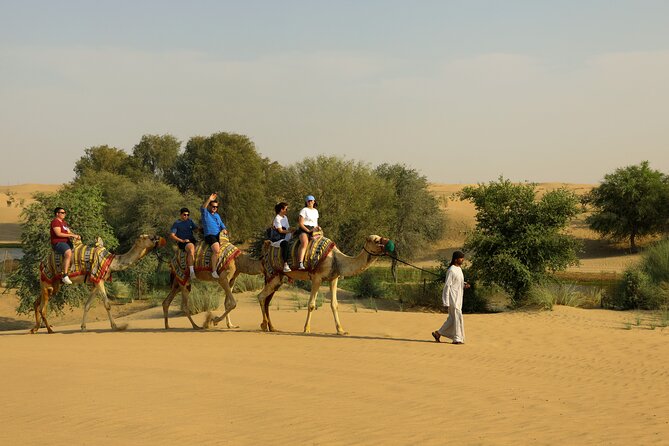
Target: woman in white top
x: 307, y: 224
x: 282, y: 232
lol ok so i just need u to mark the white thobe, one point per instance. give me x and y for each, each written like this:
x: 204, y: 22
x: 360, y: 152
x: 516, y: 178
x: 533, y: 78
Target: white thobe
x: 454, y: 288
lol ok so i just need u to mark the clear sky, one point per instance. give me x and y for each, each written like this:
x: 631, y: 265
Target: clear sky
x: 462, y: 91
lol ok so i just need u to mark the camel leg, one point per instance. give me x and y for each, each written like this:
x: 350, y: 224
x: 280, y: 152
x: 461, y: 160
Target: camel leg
x: 184, y: 302
x: 315, y: 284
x: 40, y: 307
x: 87, y: 306
x: 168, y: 301
x: 230, y: 302
x: 100, y: 287
x: 264, y: 299
x: 334, y: 305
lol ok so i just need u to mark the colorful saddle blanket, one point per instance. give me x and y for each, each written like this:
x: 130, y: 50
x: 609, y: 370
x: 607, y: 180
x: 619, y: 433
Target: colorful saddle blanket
x: 92, y: 261
x: 228, y: 253
x: 317, y: 249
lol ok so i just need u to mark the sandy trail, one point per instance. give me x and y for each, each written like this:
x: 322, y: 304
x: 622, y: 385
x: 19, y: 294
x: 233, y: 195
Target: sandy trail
x: 569, y: 376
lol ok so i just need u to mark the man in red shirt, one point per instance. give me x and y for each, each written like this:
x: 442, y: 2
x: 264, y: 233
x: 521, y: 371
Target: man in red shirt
x: 61, y: 241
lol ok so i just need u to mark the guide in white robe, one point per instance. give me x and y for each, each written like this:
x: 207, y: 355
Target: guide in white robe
x: 454, y: 289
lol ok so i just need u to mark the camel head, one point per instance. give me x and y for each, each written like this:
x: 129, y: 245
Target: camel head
x: 149, y: 242
x: 378, y: 246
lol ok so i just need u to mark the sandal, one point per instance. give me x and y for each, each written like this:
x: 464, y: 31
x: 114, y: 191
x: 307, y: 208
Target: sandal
x: 436, y: 336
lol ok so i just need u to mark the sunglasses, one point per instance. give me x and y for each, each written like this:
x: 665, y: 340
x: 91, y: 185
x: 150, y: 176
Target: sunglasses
x: 185, y: 214
x: 61, y: 212
x: 214, y: 207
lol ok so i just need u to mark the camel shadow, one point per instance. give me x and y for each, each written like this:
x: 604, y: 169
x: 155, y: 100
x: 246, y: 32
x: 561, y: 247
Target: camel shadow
x: 75, y: 331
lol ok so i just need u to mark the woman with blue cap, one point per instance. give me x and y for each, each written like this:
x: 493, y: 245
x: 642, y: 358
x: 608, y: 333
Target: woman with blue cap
x: 307, y: 224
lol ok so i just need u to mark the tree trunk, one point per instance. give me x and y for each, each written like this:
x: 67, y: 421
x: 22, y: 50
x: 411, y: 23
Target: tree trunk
x: 633, y: 247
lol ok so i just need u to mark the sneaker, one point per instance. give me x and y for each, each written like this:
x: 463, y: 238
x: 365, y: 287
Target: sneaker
x: 66, y: 280
x: 286, y: 268
x: 301, y: 266
x: 214, y: 274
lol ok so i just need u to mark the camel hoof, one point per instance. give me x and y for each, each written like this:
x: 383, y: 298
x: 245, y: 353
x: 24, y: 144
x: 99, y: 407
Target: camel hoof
x: 233, y: 326
x: 121, y: 327
x: 342, y: 333
x: 33, y: 330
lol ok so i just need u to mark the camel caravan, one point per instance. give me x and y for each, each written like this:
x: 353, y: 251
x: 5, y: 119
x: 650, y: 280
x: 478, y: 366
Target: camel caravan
x: 300, y: 253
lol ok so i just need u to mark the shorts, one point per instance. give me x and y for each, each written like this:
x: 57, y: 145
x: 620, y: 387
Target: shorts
x: 61, y: 247
x: 182, y: 245
x: 210, y: 239
x: 300, y: 231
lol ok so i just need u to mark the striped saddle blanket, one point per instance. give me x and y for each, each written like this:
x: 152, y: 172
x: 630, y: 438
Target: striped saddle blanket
x: 92, y: 261
x: 228, y: 253
x: 317, y: 249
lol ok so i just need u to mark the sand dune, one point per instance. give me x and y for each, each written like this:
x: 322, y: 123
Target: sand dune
x: 569, y: 376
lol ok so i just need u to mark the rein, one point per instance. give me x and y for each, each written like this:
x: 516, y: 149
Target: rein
x: 401, y: 261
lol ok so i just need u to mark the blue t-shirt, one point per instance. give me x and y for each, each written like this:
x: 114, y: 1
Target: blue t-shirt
x: 184, y: 229
x: 211, y: 223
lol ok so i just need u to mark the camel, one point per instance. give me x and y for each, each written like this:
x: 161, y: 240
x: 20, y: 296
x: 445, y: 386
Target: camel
x: 95, y: 266
x: 228, y: 270
x: 334, y: 265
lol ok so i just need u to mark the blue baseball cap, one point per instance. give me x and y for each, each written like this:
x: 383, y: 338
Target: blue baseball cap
x: 309, y: 198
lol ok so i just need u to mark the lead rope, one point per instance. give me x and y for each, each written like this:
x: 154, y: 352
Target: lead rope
x: 401, y: 261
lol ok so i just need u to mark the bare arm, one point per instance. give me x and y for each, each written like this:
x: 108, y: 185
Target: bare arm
x: 60, y: 233
x: 211, y: 198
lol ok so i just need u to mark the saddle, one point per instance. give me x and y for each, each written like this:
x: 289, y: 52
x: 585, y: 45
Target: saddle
x: 317, y: 249
x: 203, y: 252
x: 93, y: 261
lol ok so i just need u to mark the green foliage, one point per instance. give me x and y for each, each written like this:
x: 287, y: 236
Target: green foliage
x: 144, y: 207
x: 141, y: 276
x: 368, y: 286
x: 84, y: 207
x: 157, y: 155
x: 247, y: 282
x: 353, y: 202
x: 646, y: 285
x: 415, y: 216
x: 632, y: 201
x: 518, y: 239
x: 102, y: 159
x: 545, y: 296
x: 229, y: 165
x: 204, y: 296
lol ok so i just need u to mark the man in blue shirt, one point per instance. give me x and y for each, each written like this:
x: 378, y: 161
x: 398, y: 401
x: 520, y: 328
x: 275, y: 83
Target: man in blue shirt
x: 212, y: 226
x: 182, y: 233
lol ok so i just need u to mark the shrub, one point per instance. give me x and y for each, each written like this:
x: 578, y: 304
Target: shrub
x: 204, y: 296
x: 545, y: 296
x: 367, y: 285
x: 246, y: 282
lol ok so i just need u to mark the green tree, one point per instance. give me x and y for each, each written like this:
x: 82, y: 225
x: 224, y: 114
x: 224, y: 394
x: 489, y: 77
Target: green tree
x: 518, y: 238
x: 85, y: 215
x: 157, y: 155
x: 353, y: 202
x: 631, y: 202
x: 416, y: 217
x: 229, y: 165
x: 144, y: 207
x: 102, y: 159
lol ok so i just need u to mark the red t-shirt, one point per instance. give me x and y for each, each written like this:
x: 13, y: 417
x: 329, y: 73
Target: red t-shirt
x: 64, y: 229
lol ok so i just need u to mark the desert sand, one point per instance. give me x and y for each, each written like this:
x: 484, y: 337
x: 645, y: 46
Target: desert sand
x: 568, y: 376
